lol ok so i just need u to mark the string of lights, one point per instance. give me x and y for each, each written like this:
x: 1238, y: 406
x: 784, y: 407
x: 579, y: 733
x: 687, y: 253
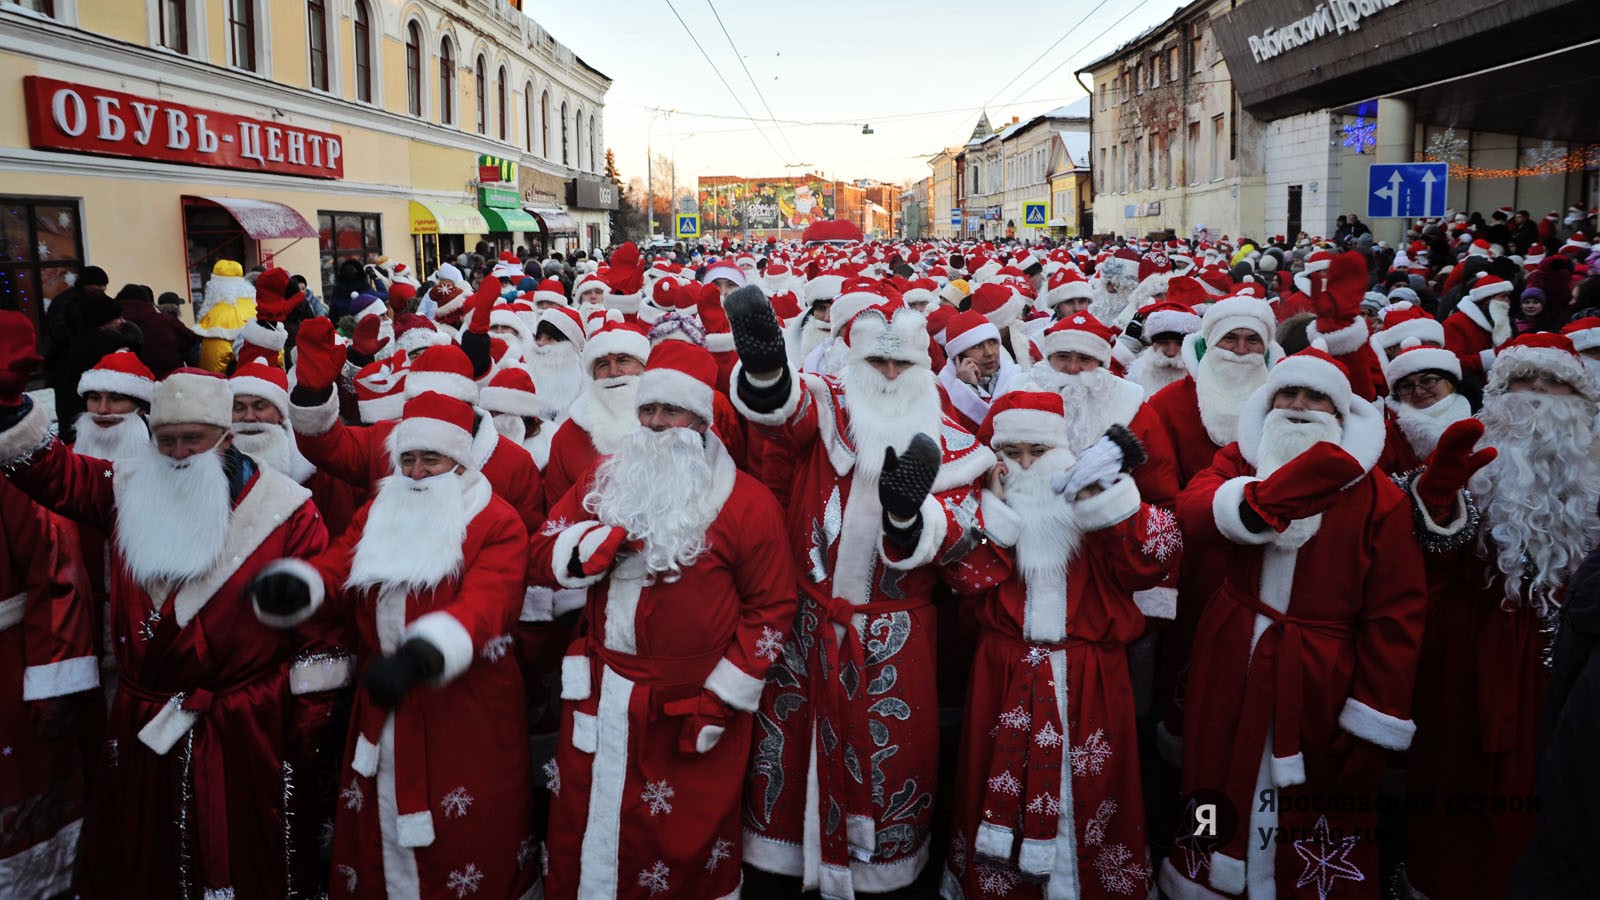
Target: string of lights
x: 1571, y: 161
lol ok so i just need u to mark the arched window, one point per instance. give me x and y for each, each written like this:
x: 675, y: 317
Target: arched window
x: 594, y: 166
x: 577, y: 138
x: 363, y: 30
x: 317, y: 42
x: 480, y: 92
x: 503, y: 107
x: 447, y: 83
x: 527, y: 117
x: 566, y: 158
x: 544, y: 124
x: 414, y: 69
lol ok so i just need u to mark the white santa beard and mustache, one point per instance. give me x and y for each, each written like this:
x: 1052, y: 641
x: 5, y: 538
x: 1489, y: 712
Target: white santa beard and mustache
x: 121, y: 441
x: 270, y: 445
x: 613, y: 410
x: 1538, y: 497
x: 1154, y: 370
x: 1223, y: 383
x: 1050, y: 533
x: 172, y: 515
x: 1285, y: 435
x: 414, y: 532
x: 557, y: 377
x: 656, y: 486
x: 511, y: 427
x: 1083, y: 397
x: 884, y: 413
x: 1423, y: 427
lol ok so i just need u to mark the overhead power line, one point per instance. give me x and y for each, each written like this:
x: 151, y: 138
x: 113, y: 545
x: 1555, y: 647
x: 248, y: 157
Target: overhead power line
x: 718, y: 72
x: 759, y: 95
x: 1074, y: 53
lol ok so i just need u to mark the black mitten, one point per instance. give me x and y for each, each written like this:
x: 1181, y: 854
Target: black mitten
x: 389, y: 679
x: 907, y: 477
x: 280, y: 594
x: 757, y: 336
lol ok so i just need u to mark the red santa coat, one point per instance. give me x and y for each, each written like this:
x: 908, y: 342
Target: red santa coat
x: 435, y: 798
x: 1303, y: 641
x: 850, y: 713
x: 633, y: 815
x: 964, y: 403
x: 1399, y: 454
x: 1469, y: 334
x: 360, y: 456
x: 1051, y: 696
x: 49, y: 707
x: 216, y: 717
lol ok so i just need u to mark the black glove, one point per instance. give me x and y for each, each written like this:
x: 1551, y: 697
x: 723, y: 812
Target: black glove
x: 757, y: 336
x: 280, y: 594
x: 1133, y: 455
x: 1135, y: 327
x: 908, y: 477
x: 389, y: 679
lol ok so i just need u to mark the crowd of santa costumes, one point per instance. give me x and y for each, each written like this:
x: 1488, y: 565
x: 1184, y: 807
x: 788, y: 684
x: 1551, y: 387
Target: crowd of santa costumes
x: 656, y: 585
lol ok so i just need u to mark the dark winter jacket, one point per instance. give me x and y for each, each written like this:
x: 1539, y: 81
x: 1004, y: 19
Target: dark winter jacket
x: 168, y: 343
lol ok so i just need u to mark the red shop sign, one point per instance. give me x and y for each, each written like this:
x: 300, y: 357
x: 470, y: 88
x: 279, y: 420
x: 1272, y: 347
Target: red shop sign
x: 83, y: 119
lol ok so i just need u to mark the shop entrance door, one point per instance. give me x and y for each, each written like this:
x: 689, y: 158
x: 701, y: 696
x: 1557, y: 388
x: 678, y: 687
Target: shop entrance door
x: 1291, y: 231
x: 210, y: 233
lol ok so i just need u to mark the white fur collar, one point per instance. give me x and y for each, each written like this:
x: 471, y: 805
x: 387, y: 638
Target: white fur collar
x: 485, y: 440
x: 603, y: 431
x: 965, y: 398
x: 964, y: 458
x: 1470, y: 308
x: 1423, y: 427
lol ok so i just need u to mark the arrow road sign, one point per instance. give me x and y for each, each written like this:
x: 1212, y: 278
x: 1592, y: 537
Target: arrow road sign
x: 1035, y: 214
x: 688, y: 225
x: 1407, y: 190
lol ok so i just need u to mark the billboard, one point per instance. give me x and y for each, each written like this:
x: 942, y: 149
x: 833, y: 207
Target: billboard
x: 764, y: 205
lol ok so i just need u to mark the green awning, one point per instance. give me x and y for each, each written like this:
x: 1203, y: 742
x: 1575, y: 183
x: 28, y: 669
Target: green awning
x: 500, y: 219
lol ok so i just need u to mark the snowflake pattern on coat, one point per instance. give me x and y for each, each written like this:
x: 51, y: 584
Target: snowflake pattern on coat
x: 1017, y: 718
x: 496, y: 648
x: 352, y: 797
x: 958, y: 852
x: 721, y: 850
x: 552, y: 778
x: 1048, y: 737
x: 1046, y: 804
x: 456, y: 803
x: 554, y: 526
x: 1090, y: 757
x: 658, y: 796
x: 465, y: 880
x: 1119, y: 872
x: 770, y: 644
x: 996, y: 881
x: 1094, y: 832
x: 654, y: 879
x: 1162, y: 537
x: 1005, y: 783
x: 1036, y: 655
x: 348, y: 873
x: 526, y: 851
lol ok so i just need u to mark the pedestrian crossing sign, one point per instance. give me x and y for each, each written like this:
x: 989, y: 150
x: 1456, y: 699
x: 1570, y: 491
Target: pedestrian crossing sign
x: 1035, y: 215
x: 688, y: 225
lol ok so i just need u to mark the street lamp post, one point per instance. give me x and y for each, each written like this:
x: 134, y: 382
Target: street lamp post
x: 649, y: 172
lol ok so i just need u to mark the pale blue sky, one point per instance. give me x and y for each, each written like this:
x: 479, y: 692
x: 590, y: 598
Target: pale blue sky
x: 917, y: 72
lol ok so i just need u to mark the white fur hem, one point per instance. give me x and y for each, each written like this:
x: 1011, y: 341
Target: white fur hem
x: 1344, y: 340
x: 929, y: 541
x: 1038, y: 856
x: 309, y: 576
x: 1157, y: 602
x: 994, y: 842
x: 259, y: 335
x: 1000, y: 521
x: 315, y: 420
x: 21, y: 439
x: 60, y: 678
x: 1288, y: 771
x: 1176, y: 887
x: 415, y: 829
x: 778, y: 416
x: 538, y: 605
x: 1386, y: 731
x: 737, y: 688
x: 315, y: 675
x: 364, y: 761
x: 561, y: 554
x: 707, y: 738
x: 1458, y: 520
x: 450, y: 638
x: 167, y: 726
x: 575, y: 681
x: 1110, y: 506
x: 1225, y: 509
x: 1227, y: 873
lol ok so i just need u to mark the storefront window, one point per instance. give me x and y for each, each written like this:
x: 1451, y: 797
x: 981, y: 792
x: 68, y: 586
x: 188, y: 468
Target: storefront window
x: 41, y: 241
x: 347, y: 235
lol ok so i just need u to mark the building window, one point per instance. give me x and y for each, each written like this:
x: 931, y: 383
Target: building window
x: 1166, y: 157
x: 242, y: 31
x: 317, y: 42
x: 1173, y: 65
x: 1137, y: 149
x: 41, y: 244
x: 1102, y: 97
x: 447, y: 83
x: 1150, y: 163
x: 479, y: 93
x: 1105, y: 174
x: 347, y: 236
x: 1191, y: 154
x: 1194, y: 54
x: 503, y: 107
x: 1138, y: 78
x: 566, y: 158
x: 594, y: 165
x: 414, y: 69
x: 544, y: 124
x: 1219, y: 126
x: 527, y: 117
x: 363, y: 33
x: 43, y: 7
x: 174, y: 24
x: 1233, y: 134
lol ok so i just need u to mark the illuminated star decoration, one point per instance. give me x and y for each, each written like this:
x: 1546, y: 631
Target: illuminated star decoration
x: 1361, y: 135
x: 1326, y: 859
x: 1446, y: 147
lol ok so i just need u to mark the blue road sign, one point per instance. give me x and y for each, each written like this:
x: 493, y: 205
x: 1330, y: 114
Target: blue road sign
x: 955, y: 216
x: 1035, y: 214
x: 1407, y: 190
x: 688, y: 225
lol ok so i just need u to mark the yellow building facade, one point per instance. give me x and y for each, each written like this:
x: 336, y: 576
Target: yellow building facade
x: 153, y: 137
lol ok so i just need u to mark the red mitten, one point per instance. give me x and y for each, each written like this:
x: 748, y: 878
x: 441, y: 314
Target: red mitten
x: 365, y: 341
x: 705, y: 716
x: 598, y: 549
x: 318, y: 357
x: 18, y: 356
x: 1307, y: 485
x: 481, y: 303
x: 1453, y: 463
x: 1338, y: 303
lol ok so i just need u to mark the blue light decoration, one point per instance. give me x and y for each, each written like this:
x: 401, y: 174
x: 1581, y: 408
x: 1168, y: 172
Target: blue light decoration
x: 1361, y: 135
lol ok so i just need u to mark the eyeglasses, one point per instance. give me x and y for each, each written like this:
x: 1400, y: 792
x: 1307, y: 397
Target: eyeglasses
x: 1420, y: 384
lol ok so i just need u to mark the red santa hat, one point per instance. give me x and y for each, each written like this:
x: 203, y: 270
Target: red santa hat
x: 1064, y: 284
x: 445, y: 370
x: 380, y: 389
x: 122, y: 373
x: 616, y: 337
x: 510, y: 392
x: 725, y: 270
x: 1584, y: 333
x: 565, y: 320
x: 1541, y: 353
x: 1480, y: 247
x: 270, y: 383
x: 414, y: 333
x: 551, y: 290
x: 505, y: 315
x: 921, y: 291
x: 714, y: 321
x: 1026, y: 417
x: 966, y: 330
x: 436, y: 423
x: 1229, y: 313
x: 1078, y: 333
x: 1170, y: 317
x: 1414, y: 357
x: 1489, y: 286
x: 786, y: 304
x: 855, y: 295
x: 680, y: 374
x: 191, y: 396
x: 889, y: 329
x: 400, y: 297
x: 1315, y: 369
x: 999, y: 303
x: 1154, y: 264
x: 1402, y: 321
x: 939, y: 322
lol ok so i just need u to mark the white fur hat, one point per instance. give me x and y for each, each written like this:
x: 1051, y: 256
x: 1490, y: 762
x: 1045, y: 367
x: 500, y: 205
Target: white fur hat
x: 192, y: 397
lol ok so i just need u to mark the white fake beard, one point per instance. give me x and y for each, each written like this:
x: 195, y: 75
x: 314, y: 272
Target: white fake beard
x: 1538, y: 497
x: 1083, y: 398
x: 884, y: 413
x: 812, y: 336
x: 1285, y: 435
x: 511, y: 427
x: 269, y: 445
x: 557, y: 377
x: 613, y: 410
x: 172, y: 516
x: 657, y: 486
x: 1154, y: 370
x: 1223, y: 383
x: 1422, y: 427
x: 414, y: 533
x: 121, y: 441
x: 1050, y: 532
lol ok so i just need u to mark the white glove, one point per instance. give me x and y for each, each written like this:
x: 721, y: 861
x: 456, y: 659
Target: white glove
x: 1098, y: 465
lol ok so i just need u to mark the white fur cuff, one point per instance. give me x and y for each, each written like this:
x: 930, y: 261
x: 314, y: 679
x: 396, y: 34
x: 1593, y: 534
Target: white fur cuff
x: 1457, y: 522
x: 737, y: 688
x: 314, y: 421
x: 538, y: 605
x: 22, y: 439
x: 707, y: 738
x: 1341, y: 341
x: 364, y: 760
x: 60, y: 678
x: 308, y: 575
x: 1000, y: 521
x: 441, y: 631
x: 1037, y: 856
x: 1157, y: 602
x: 575, y: 681
x: 566, y: 542
x: 1225, y: 509
x: 1227, y: 873
x: 772, y: 419
x: 1109, y: 507
x: 1386, y: 731
x: 1288, y: 771
x: 258, y: 335
x: 415, y: 829
x: 1486, y: 358
x: 934, y: 529
x: 167, y: 726
x: 311, y: 676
